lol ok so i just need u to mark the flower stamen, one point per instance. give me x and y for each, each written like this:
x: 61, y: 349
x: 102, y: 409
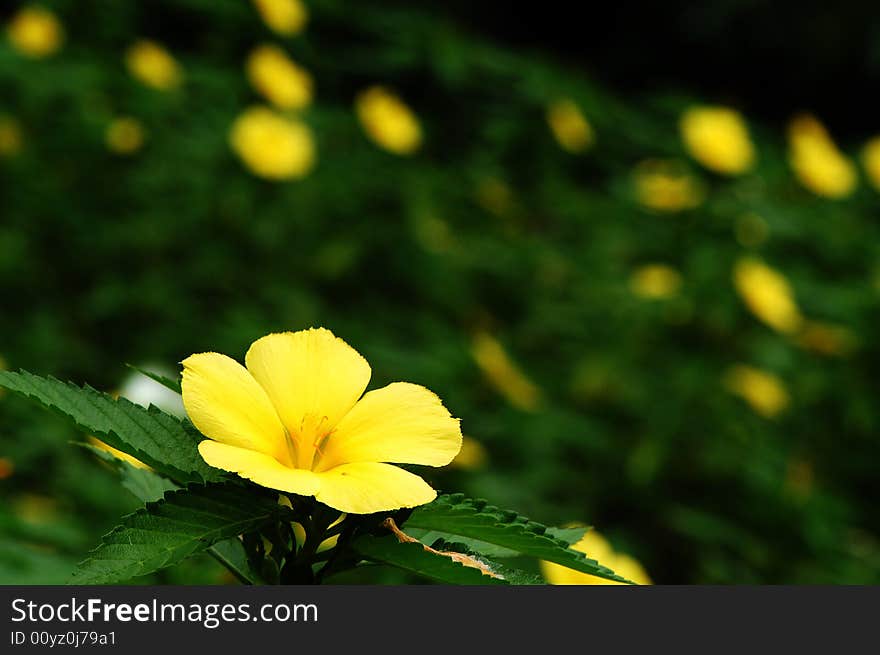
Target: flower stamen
x: 292, y: 450
x: 319, y: 443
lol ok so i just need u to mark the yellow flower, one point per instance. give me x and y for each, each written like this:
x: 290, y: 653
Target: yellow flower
x: 764, y: 391
x: 278, y: 79
x: 97, y: 443
x: 272, y: 146
x: 665, y: 186
x: 292, y: 421
x: 472, y: 455
x: 124, y: 135
x: 825, y: 338
x: 718, y: 138
x: 504, y: 375
x: 388, y: 121
x: 871, y: 161
x: 35, y: 32
x: 10, y: 136
x: 287, y: 17
x: 817, y: 162
x: 153, y: 65
x: 655, y: 281
x: 596, y: 547
x: 767, y: 294
x: 569, y: 126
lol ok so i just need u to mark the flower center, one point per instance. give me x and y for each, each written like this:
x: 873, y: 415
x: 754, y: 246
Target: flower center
x: 304, y: 445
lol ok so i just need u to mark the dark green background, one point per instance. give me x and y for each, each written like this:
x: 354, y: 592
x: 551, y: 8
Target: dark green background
x: 178, y: 249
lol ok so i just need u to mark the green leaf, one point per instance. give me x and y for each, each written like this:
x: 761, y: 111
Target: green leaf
x: 144, y: 484
x: 168, y: 383
x: 157, y: 439
x: 167, y: 531
x: 415, y: 559
x: 231, y: 554
x: 149, y: 486
x: 510, y: 574
x: 568, y: 535
x: 475, y: 519
x: 433, y: 537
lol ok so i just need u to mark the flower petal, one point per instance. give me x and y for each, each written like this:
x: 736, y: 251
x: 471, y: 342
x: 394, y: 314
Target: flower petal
x: 226, y: 404
x: 366, y: 487
x: 403, y: 423
x: 260, y: 468
x: 312, y: 377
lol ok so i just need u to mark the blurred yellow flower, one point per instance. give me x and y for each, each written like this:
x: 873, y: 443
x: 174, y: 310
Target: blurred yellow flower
x: 124, y: 135
x: 655, y: 281
x: 388, y: 121
x: 666, y: 186
x: 825, y: 338
x: 871, y: 161
x: 35, y: 32
x: 751, y: 230
x: 817, y: 162
x: 287, y: 17
x: 569, y: 126
x: 34, y: 508
x: 472, y: 456
x: 153, y: 65
x: 10, y: 136
x: 767, y: 294
x: 272, y: 146
x: 763, y: 391
x: 281, y: 81
x: 718, y: 138
x: 504, y: 375
x: 596, y: 547
x: 97, y: 443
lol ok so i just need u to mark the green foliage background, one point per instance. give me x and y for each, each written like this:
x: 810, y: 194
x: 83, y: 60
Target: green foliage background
x: 178, y: 249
